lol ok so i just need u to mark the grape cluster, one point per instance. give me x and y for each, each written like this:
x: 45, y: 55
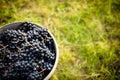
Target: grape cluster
x: 26, y: 53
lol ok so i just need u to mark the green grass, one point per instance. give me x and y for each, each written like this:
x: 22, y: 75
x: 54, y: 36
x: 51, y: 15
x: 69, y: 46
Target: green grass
x: 87, y: 33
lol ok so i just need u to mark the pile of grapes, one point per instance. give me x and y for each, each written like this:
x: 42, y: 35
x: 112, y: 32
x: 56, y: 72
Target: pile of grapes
x: 26, y: 53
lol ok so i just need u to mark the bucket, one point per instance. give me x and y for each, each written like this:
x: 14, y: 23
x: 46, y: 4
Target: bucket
x: 16, y: 25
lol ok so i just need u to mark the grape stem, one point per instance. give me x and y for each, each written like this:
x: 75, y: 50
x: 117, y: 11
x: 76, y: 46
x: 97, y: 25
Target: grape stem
x: 42, y: 70
x: 20, y: 49
x: 4, y: 51
x: 28, y: 42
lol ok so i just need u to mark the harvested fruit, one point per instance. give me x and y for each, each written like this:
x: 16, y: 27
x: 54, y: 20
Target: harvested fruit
x: 27, y: 53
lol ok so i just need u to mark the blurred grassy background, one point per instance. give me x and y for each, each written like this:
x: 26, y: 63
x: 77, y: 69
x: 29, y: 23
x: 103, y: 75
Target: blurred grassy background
x: 87, y: 33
